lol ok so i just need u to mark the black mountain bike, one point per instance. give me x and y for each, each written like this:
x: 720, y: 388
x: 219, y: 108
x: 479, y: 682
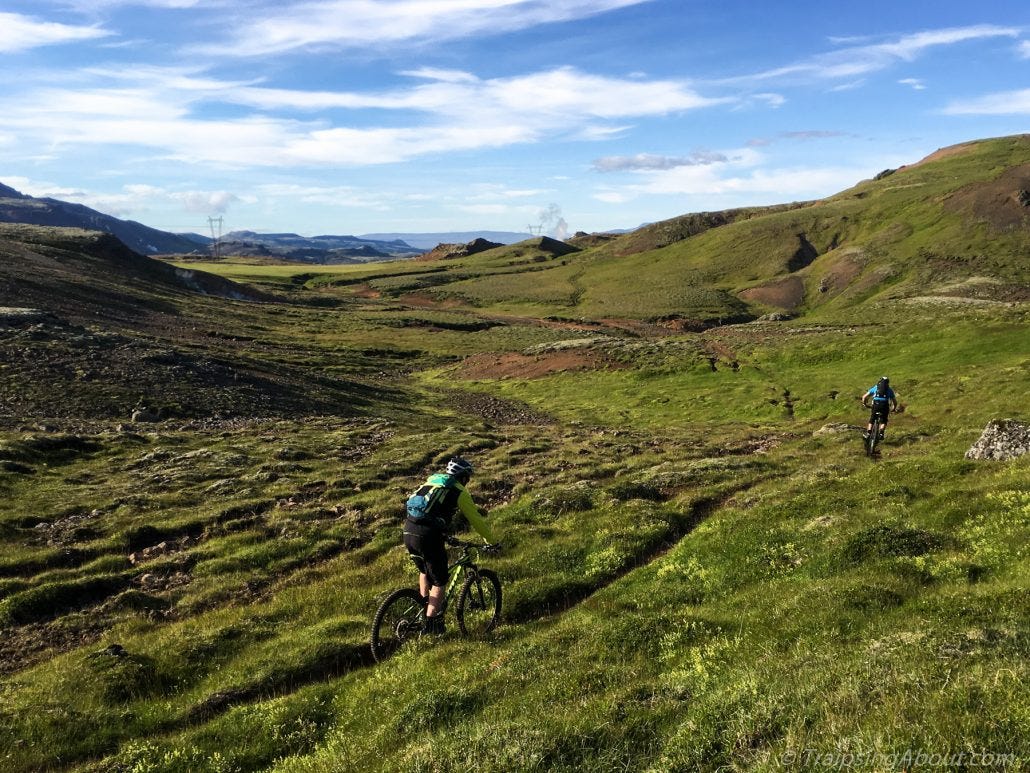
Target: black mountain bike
x: 402, y: 615
x: 875, y: 435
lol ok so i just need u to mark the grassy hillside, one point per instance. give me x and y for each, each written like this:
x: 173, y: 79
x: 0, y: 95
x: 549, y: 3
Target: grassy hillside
x: 952, y: 225
x: 702, y: 569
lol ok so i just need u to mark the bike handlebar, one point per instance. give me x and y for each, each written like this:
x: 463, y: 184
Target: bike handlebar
x: 486, y: 547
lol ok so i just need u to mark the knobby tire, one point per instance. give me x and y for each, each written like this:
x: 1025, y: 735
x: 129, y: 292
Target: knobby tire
x: 874, y: 438
x: 479, y: 603
x: 399, y: 618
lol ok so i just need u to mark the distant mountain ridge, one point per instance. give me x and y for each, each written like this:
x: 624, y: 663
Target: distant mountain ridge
x: 326, y: 248
x: 16, y: 207
x: 427, y: 241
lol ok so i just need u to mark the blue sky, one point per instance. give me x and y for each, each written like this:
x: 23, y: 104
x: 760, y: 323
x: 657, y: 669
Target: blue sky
x: 364, y: 116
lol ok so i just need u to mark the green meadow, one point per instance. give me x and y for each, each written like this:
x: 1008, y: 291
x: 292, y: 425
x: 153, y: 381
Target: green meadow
x: 702, y: 570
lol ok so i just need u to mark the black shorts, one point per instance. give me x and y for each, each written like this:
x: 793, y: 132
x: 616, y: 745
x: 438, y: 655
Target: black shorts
x: 883, y: 413
x: 428, y: 551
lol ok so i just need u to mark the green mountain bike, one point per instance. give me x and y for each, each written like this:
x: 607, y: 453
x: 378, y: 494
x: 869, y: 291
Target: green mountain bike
x: 402, y: 615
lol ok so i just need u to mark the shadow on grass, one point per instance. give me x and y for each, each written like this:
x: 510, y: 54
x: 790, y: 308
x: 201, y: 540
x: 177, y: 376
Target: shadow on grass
x: 560, y: 599
x: 330, y: 661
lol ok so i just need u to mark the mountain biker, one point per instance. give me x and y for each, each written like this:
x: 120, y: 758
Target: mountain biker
x: 882, y: 400
x: 424, y: 537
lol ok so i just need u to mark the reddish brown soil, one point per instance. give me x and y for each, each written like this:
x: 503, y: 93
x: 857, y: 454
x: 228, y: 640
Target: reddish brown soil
x: 489, y: 366
x: 843, y: 272
x: 953, y: 150
x: 366, y: 291
x: 786, y: 293
x: 996, y: 202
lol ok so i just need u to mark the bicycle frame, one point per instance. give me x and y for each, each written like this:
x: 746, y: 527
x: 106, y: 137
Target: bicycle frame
x: 464, y: 563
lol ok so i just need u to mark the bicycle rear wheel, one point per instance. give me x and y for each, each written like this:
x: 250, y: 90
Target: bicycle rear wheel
x: 479, y: 603
x: 399, y: 618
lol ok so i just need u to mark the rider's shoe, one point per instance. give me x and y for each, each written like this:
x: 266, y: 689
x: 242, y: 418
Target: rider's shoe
x: 435, y: 625
x: 880, y: 436
x: 865, y: 435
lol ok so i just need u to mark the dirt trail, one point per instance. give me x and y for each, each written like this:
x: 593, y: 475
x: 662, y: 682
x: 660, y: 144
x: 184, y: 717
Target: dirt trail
x: 568, y: 598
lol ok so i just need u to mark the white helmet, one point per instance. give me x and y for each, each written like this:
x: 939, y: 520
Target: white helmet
x: 458, y: 466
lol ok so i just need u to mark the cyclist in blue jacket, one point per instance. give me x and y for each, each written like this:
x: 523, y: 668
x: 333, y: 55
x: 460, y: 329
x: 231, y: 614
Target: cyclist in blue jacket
x: 882, y: 400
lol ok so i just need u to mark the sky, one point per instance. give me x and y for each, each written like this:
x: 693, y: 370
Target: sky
x: 540, y: 116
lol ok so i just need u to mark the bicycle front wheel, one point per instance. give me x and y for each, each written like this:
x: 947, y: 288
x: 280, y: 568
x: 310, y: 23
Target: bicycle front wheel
x: 479, y: 603
x: 399, y: 618
x: 874, y: 438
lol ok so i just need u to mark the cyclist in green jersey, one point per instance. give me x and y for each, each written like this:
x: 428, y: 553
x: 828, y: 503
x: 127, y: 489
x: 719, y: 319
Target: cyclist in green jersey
x: 426, y: 530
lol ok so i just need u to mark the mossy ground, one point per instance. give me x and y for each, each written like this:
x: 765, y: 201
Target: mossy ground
x: 695, y: 577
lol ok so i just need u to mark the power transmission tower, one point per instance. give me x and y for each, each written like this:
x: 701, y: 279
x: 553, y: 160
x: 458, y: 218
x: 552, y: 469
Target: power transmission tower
x: 535, y: 230
x: 216, y: 238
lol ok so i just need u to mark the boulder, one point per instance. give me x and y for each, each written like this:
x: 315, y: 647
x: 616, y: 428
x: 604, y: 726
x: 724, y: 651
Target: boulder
x: 1001, y: 439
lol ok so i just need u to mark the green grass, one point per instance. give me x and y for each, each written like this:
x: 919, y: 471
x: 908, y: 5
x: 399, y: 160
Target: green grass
x: 695, y: 577
x: 672, y: 606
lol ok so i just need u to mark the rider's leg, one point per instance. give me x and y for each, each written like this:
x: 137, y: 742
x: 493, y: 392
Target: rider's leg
x: 423, y: 584
x: 435, y: 601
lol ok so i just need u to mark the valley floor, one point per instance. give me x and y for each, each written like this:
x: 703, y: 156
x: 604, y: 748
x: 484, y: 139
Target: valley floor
x: 702, y: 570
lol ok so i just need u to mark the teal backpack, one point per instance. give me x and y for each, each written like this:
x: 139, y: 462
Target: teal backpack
x: 424, y: 504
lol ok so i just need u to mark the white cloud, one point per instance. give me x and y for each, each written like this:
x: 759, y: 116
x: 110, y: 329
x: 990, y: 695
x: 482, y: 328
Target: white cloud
x: 849, y: 86
x: 1003, y: 103
x: 648, y: 161
x: 1024, y: 49
x: 206, y: 202
x: 863, y: 59
x: 485, y: 209
x: 130, y: 199
x: 357, y: 23
x: 88, y: 6
x: 812, y: 134
x: 770, y: 99
x: 163, y: 109
x: 746, y: 176
x: 20, y: 33
x: 495, y: 191
x: 915, y: 83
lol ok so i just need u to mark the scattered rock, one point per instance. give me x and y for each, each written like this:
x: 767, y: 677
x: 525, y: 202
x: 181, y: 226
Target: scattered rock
x: 496, y: 410
x: 776, y: 316
x: 145, y: 415
x: 1001, y: 439
x: 835, y: 428
x: 820, y: 522
x: 160, y: 549
x: 290, y: 454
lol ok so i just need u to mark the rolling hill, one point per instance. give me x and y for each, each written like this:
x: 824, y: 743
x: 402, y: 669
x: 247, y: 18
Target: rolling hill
x: 951, y: 226
x: 16, y: 207
x: 701, y: 568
